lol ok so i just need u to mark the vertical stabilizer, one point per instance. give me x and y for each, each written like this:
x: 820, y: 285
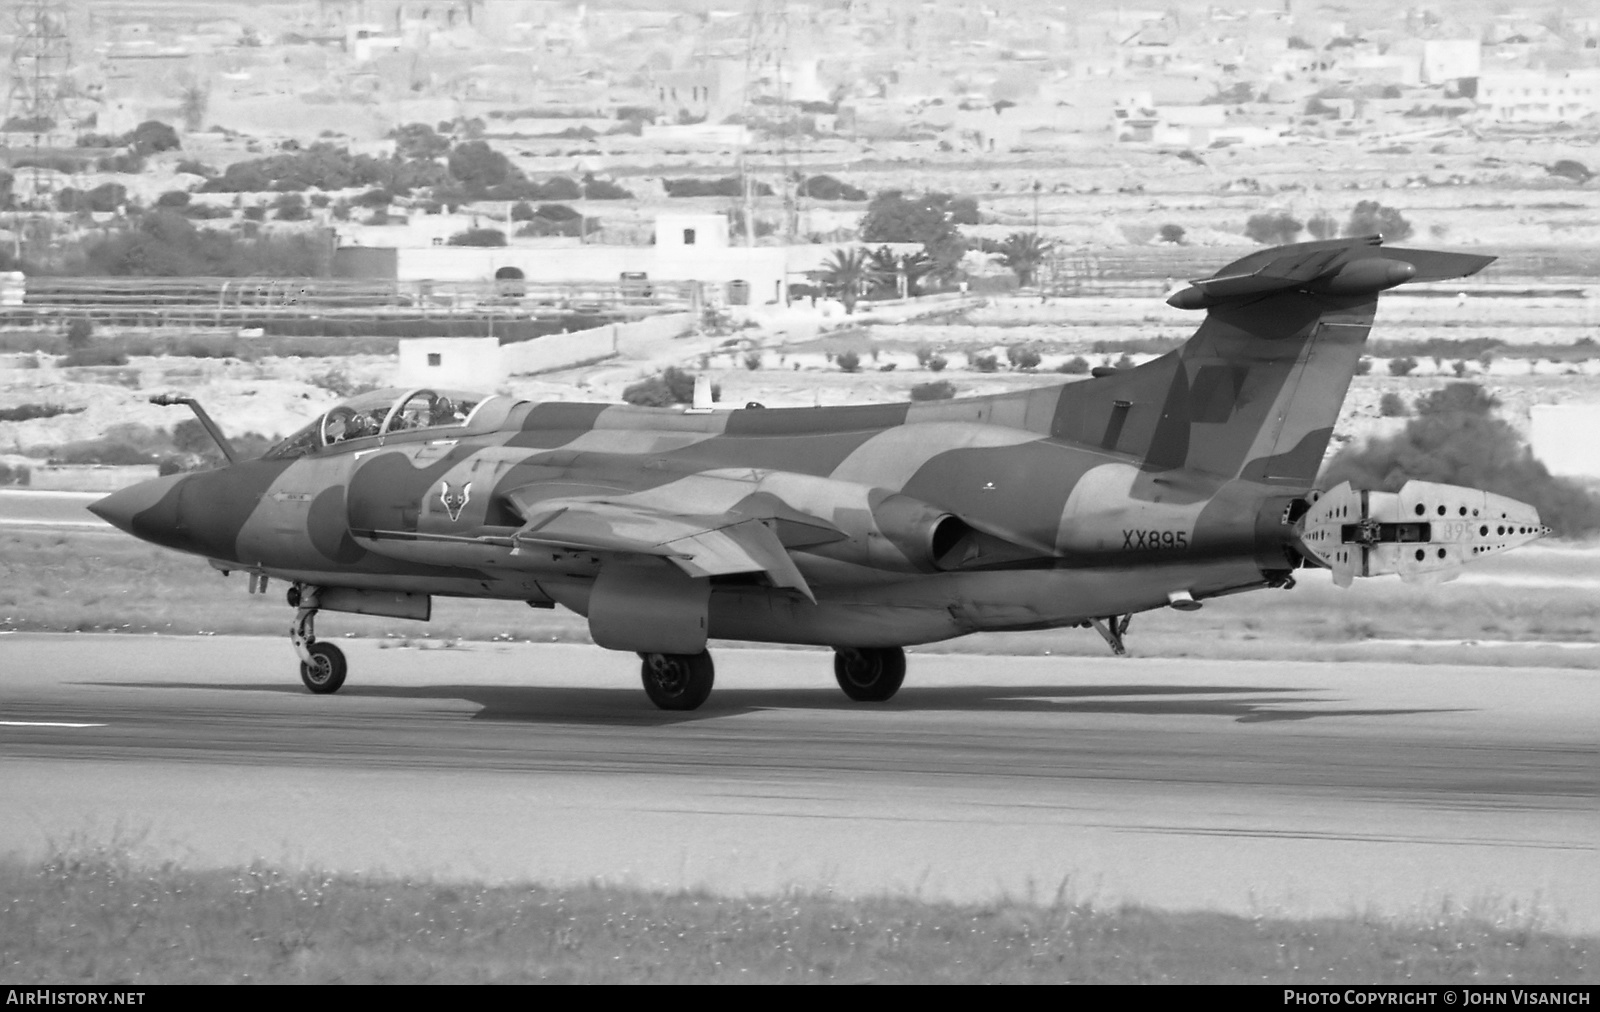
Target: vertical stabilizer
x: 1255, y: 393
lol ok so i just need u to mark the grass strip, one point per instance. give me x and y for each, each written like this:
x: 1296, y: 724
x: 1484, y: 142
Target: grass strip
x: 93, y: 915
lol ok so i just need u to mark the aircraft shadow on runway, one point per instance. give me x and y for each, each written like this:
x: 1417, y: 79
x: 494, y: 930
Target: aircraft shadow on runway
x: 621, y: 707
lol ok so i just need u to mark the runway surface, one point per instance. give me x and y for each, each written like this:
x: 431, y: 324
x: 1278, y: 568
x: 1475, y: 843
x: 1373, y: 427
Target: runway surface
x: 1251, y: 787
x: 29, y: 508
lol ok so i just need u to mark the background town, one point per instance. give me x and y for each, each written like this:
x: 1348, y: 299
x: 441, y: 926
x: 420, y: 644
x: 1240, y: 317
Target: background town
x: 813, y: 202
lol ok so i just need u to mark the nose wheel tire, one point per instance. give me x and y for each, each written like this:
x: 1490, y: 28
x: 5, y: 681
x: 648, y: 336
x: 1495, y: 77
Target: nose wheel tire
x: 677, y: 681
x: 325, y: 672
x: 869, y: 674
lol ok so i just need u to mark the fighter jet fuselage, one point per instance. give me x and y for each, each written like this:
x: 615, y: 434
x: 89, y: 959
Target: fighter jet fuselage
x: 864, y: 528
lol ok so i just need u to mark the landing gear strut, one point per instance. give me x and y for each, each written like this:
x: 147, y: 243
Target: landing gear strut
x: 869, y: 674
x: 1111, y: 628
x: 677, y: 681
x: 322, y: 665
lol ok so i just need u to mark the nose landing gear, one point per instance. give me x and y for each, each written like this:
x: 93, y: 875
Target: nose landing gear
x: 322, y: 665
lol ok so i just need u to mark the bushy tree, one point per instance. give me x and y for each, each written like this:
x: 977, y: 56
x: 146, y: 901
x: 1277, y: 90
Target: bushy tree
x: 478, y: 237
x: 164, y: 243
x: 1172, y: 233
x: 669, y: 387
x: 1371, y: 217
x: 476, y: 164
x: 1274, y: 228
x: 418, y: 140
x: 1456, y: 438
x: 829, y: 188
x: 1321, y: 226
x: 151, y: 137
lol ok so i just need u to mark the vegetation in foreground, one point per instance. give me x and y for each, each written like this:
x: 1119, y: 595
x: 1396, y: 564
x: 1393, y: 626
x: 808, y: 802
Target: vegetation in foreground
x: 91, y: 915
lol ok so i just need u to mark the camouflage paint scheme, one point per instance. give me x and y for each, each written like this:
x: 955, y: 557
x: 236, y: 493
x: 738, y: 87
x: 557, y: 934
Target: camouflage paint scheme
x: 864, y: 526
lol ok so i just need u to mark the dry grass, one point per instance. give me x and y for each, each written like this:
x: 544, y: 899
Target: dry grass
x: 103, y: 581
x: 93, y: 915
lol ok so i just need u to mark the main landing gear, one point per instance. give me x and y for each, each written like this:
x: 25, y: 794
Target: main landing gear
x: 677, y: 681
x: 869, y: 674
x: 683, y: 681
x: 322, y: 665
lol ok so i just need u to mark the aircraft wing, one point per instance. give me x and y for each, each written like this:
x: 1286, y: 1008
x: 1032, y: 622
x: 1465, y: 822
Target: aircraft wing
x: 700, y: 545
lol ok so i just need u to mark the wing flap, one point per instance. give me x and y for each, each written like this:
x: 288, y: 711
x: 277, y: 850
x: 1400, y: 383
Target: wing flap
x: 701, y: 546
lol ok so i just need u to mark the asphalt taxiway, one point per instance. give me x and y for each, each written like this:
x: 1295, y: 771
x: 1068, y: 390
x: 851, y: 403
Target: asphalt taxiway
x: 1253, y: 787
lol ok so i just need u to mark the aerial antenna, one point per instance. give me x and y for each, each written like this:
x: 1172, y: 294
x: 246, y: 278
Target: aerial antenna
x: 39, y: 86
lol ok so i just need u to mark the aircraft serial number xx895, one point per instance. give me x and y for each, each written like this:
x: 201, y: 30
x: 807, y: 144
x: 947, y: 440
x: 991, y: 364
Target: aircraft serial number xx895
x: 863, y: 528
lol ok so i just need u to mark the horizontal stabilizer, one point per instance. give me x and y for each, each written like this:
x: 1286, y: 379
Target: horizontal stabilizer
x: 1334, y: 267
x: 1424, y: 532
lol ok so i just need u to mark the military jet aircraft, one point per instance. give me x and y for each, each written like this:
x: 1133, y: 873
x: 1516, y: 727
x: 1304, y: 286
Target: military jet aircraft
x: 863, y: 528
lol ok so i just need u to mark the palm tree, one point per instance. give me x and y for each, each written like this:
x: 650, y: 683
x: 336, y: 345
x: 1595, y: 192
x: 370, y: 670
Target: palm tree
x: 903, y: 274
x: 1023, y: 252
x: 843, y: 274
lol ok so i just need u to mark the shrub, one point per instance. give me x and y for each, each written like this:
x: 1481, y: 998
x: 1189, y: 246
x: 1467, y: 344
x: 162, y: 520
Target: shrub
x: 107, y: 450
x: 1392, y: 405
x: 479, y: 237
x: 1125, y: 361
x: 1077, y: 365
x: 752, y: 360
x: 604, y: 189
x: 934, y: 390
x: 174, y: 199
x: 671, y: 386
x: 1173, y: 234
x: 93, y: 355
x: 849, y: 361
x: 1022, y: 357
x: 195, y: 168
x: 14, y: 474
x: 985, y: 363
x: 936, y: 363
x: 1321, y: 226
x: 1404, y: 366
x: 1363, y: 366
x: 27, y: 412
x: 1273, y: 228
x: 1370, y: 217
x: 80, y: 332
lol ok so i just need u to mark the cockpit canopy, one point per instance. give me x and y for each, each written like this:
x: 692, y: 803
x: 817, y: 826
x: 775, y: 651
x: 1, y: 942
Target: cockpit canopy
x: 384, y: 413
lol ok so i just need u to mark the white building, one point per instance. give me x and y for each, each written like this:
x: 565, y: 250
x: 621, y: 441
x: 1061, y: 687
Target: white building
x: 1451, y: 59
x: 688, y: 247
x: 1563, y: 437
x: 1534, y: 97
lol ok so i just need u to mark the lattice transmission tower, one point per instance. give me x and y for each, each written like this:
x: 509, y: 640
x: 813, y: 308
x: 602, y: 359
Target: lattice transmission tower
x: 39, y: 89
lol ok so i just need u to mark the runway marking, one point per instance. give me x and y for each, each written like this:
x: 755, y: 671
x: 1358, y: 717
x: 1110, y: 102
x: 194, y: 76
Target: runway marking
x: 43, y: 723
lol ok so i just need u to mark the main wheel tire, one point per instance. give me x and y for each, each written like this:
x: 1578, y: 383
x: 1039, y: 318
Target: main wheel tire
x: 326, y: 671
x: 677, y: 681
x: 869, y: 674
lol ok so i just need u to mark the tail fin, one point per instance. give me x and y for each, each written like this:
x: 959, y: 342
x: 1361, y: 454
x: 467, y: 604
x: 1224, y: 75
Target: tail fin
x: 1254, y: 394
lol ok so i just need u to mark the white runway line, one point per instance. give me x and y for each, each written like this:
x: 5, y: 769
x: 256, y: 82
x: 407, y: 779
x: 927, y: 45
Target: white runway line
x: 43, y: 723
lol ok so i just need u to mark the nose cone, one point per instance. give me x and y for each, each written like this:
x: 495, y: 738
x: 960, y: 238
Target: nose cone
x: 148, y: 510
